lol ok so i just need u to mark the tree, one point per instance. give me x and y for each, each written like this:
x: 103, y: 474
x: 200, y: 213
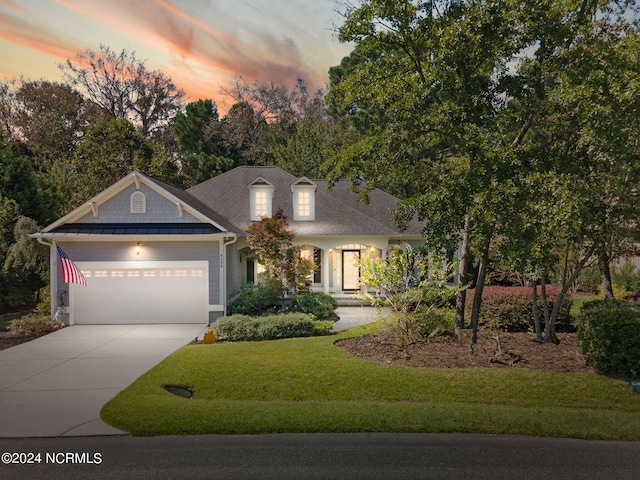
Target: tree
x: 110, y: 151
x: 473, y: 99
x: 199, y: 138
x: 121, y: 85
x: 273, y: 124
x: 50, y: 119
x: 430, y: 78
x: 272, y: 244
x: 244, y: 134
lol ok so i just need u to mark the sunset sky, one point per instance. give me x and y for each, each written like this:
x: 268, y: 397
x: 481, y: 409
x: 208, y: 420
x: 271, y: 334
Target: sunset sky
x: 200, y: 44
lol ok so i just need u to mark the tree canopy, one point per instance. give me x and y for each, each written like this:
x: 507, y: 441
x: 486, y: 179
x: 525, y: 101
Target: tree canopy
x: 484, y: 112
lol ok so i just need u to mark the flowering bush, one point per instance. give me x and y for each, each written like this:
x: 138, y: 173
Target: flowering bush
x: 511, y: 308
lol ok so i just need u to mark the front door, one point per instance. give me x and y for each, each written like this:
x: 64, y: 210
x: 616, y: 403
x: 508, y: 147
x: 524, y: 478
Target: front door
x: 350, y: 270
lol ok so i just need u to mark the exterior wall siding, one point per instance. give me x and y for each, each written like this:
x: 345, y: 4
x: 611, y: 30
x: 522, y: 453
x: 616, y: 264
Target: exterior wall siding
x: 234, y: 271
x: 118, y: 209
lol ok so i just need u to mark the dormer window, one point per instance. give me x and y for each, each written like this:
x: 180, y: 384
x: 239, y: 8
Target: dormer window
x: 261, y: 198
x: 261, y: 204
x: 138, y: 202
x: 304, y: 206
x: 304, y: 202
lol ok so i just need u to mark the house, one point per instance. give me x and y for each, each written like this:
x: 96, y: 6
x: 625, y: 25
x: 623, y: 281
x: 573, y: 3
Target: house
x: 154, y: 253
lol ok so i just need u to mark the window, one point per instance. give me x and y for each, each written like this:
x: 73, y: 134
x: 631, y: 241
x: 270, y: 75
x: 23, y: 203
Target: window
x: 138, y: 202
x: 261, y: 198
x: 304, y: 204
x: 304, y: 201
x: 261, y: 204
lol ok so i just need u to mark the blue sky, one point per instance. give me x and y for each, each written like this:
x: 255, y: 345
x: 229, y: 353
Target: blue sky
x: 200, y: 44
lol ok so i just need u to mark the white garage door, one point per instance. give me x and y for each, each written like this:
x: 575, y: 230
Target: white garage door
x: 141, y: 292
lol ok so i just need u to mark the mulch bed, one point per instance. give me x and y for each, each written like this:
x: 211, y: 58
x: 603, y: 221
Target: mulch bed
x: 8, y: 339
x: 493, y: 349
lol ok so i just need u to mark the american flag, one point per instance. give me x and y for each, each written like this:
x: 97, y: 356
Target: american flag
x: 70, y: 273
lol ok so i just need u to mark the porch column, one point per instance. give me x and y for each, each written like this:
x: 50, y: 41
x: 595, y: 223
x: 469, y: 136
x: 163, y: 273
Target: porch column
x: 325, y: 270
x: 53, y: 269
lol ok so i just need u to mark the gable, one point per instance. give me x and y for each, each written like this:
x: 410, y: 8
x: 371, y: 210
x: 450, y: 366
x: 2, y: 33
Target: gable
x: 140, y: 200
x: 123, y: 208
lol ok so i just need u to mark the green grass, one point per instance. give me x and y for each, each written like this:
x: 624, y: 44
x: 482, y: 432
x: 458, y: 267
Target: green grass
x: 310, y: 385
x: 577, y: 302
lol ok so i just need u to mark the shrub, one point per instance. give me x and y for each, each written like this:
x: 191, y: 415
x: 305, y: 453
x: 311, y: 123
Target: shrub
x: 318, y: 304
x: 255, y: 300
x: 34, y: 325
x: 407, y: 328
x: 444, y: 297
x: 609, y: 334
x: 511, y: 308
x: 627, y: 277
x: 237, y: 328
x: 590, y: 279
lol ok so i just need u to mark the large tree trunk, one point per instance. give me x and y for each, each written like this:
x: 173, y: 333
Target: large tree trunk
x: 463, y: 272
x: 605, y: 271
x: 477, y: 297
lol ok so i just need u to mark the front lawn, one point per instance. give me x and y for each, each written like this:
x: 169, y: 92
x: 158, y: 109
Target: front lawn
x: 309, y: 385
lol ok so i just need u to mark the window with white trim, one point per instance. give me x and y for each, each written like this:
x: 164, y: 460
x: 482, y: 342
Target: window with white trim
x: 304, y: 204
x: 261, y: 204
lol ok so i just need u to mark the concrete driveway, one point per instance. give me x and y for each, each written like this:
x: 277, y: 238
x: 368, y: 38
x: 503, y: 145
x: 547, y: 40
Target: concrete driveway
x: 57, y: 384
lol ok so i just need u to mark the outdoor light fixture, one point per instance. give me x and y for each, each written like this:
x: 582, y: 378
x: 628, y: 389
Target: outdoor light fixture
x: 138, y: 248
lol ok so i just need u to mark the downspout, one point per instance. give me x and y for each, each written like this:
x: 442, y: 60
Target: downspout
x: 224, y: 272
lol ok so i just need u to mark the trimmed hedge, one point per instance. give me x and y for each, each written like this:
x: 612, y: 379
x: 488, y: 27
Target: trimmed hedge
x: 511, y: 308
x: 241, y: 328
x: 318, y: 304
x: 609, y: 334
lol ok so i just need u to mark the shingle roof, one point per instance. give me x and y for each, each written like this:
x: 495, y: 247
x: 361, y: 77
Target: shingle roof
x: 337, y: 211
x: 197, y: 204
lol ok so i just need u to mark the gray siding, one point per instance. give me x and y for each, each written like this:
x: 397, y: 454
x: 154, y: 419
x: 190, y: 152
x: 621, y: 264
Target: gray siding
x: 234, y: 271
x: 118, y: 209
x: 151, y: 251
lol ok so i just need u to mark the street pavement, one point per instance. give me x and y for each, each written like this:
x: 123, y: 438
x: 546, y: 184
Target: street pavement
x: 320, y: 456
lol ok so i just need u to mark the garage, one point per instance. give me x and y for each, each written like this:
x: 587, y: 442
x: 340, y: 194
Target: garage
x: 141, y: 292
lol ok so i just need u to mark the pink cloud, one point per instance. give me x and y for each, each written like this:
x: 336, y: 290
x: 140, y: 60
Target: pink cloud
x: 192, y: 42
x: 19, y: 32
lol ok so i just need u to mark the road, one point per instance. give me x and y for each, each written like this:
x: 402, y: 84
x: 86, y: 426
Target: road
x: 320, y: 456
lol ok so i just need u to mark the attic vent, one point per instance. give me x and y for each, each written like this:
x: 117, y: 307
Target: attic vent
x: 138, y: 202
